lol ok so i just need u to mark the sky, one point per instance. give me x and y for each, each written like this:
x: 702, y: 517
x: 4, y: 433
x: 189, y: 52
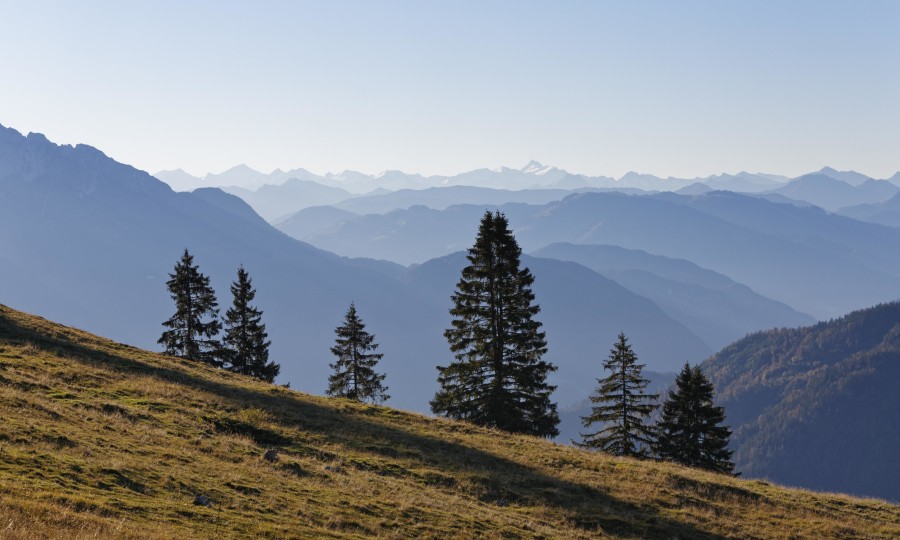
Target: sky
x: 685, y: 89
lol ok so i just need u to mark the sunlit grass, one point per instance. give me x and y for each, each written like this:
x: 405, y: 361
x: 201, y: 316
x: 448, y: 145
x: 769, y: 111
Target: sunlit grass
x: 102, y: 440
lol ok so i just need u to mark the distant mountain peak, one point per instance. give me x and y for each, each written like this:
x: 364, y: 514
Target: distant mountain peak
x: 533, y: 166
x: 850, y: 177
x: 634, y: 175
x: 36, y: 137
x: 241, y: 168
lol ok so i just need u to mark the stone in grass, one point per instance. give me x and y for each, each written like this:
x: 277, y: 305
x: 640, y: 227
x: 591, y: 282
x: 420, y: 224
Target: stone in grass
x: 271, y: 455
x: 202, y: 500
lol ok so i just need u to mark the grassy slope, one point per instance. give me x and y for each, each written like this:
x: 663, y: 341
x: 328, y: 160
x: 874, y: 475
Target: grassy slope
x: 99, y: 439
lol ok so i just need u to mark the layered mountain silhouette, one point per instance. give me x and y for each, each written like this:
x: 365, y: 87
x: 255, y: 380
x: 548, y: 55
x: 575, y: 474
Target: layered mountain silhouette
x: 274, y: 202
x: 277, y: 195
x: 817, y: 263
x: 310, y: 221
x: 885, y: 213
x: 817, y: 406
x: 711, y: 305
x: 831, y: 194
x: 94, y: 240
x: 443, y: 197
x: 851, y: 177
x: 90, y: 242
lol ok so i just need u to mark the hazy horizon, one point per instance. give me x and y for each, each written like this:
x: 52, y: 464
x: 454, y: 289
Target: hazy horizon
x: 683, y: 90
x: 201, y: 175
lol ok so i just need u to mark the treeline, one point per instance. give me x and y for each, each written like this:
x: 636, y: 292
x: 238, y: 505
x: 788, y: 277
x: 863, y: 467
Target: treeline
x: 193, y: 332
x: 498, y: 378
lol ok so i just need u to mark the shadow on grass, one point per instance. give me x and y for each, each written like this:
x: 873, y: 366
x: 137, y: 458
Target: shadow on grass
x: 501, y: 481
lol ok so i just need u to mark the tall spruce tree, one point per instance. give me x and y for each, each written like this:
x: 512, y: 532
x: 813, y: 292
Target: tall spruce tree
x: 192, y: 329
x: 246, y: 348
x: 354, y: 374
x: 621, y: 406
x: 690, y: 430
x: 498, y: 378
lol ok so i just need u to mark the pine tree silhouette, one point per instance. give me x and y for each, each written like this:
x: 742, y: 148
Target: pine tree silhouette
x: 498, y: 378
x: 246, y: 344
x: 189, y: 335
x: 621, y: 406
x: 354, y: 374
x: 690, y: 430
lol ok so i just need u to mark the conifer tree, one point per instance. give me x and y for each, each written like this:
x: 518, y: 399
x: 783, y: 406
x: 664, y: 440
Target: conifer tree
x: 498, y: 378
x: 621, y: 406
x: 690, y: 430
x: 246, y: 343
x: 354, y: 374
x: 192, y: 329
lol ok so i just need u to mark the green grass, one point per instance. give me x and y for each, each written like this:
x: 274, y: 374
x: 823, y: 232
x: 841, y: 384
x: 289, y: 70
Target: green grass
x: 102, y: 440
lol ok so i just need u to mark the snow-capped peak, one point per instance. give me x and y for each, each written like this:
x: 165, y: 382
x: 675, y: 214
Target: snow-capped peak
x: 533, y: 167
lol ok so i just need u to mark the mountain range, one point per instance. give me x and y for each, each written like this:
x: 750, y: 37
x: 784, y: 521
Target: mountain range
x: 281, y: 193
x: 90, y: 241
x: 818, y: 263
x: 831, y: 193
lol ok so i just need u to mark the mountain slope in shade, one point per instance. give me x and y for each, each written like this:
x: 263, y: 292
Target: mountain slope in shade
x: 885, y: 213
x: 817, y: 407
x: 230, y: 203
x: 711, y: 305
x: 94, y: 241
x: 102, y: 440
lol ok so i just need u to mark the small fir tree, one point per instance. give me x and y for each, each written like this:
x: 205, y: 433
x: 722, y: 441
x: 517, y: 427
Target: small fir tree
x: 246, y: 343
x: 621, y: 406
x: 192, y: 329
x: 354, y: 374
x: 498, y: 378
x: 690, y: 430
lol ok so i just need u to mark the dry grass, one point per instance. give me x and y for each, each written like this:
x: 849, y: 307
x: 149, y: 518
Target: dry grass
x: 101, y: 440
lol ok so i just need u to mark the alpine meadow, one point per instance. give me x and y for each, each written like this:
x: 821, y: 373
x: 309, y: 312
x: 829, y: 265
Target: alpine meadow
x: 449, y: 270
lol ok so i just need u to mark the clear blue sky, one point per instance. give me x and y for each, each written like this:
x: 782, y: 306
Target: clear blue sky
x: 682, y: 88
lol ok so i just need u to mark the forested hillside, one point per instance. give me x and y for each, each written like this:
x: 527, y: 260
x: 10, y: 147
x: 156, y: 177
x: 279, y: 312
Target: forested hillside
x: 817, y: 406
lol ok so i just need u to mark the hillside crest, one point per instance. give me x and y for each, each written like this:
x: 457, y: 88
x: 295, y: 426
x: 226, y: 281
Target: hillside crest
x: 108, y: 440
